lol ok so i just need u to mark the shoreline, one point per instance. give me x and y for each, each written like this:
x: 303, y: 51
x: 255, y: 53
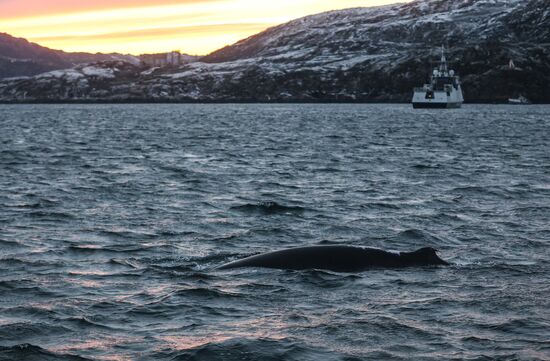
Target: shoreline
x: 236, y: 101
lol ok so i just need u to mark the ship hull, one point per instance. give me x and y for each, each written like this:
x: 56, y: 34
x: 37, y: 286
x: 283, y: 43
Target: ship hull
x: 423, y: 98
x: 518, y: 102
x: 436, y: 105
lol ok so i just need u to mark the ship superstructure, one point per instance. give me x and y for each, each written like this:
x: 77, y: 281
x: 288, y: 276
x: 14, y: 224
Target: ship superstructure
x: 443, y: 90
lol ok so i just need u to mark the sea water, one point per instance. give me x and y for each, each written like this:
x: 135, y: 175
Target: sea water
x: 113, y: 218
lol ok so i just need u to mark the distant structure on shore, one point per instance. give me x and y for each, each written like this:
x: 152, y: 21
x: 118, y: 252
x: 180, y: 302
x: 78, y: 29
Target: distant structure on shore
x: 164, y: 59
x: 512, y: 66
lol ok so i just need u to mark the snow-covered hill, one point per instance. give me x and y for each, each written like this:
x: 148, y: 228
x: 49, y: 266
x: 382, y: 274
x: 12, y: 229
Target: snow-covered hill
x: 363, y: 54
x: 19, y: 57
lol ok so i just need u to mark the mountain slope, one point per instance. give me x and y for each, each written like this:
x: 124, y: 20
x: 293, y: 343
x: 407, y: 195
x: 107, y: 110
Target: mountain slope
x: 363, y: 54
x: 19, y: 57
x: 421, y: 25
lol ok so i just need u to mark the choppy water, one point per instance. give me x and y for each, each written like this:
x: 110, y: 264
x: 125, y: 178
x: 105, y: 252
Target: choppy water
x: 113, y: 216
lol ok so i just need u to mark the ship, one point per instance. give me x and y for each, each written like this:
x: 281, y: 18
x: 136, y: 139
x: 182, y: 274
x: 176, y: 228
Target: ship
x: 521, y: 100
x: 443, y: 90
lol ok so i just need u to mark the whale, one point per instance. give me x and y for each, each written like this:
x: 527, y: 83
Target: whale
x: 338, y: 258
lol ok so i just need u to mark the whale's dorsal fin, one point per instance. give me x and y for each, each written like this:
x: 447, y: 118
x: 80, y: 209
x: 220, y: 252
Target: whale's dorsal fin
x: 425, y: 256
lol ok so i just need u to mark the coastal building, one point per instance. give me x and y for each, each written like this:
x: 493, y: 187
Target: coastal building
x: 162, y: 59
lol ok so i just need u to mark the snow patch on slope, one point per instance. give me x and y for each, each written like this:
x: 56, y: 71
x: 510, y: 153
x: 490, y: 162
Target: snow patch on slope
x: 99, y: 72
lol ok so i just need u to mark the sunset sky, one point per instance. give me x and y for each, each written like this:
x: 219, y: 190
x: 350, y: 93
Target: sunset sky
x: 145, y: 26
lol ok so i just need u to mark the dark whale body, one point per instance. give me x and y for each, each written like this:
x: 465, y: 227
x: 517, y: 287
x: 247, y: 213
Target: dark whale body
x: 338, y: 259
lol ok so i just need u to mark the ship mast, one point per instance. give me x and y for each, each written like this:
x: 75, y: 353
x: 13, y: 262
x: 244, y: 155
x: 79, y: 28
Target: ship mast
x: 443, y: 64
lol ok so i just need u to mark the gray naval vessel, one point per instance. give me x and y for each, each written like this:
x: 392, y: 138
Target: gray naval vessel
x: 443, y: 90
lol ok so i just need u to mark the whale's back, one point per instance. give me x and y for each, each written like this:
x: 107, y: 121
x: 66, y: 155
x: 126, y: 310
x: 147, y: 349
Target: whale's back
x: 332, y: 258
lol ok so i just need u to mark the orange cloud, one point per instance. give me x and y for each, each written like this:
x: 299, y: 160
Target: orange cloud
x: 24, y: 8
x: 158, y: 32
x: 192, y: 37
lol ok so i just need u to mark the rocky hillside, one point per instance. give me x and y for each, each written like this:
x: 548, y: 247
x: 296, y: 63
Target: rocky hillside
x: 363, y: 54
x: 19, y: 57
